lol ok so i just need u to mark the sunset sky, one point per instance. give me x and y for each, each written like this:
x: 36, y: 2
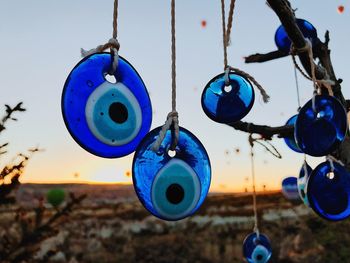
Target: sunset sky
x: 40, y: 44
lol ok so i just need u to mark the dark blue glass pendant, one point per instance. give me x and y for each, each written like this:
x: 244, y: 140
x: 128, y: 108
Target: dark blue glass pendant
x: 171, y: 188
x: 290, y: 188
x: 290, y: 141
x: 106, y: 119
x: 257, y: 249
x: 304, y: 174
x: 282, y: 40
x: 329, y: 192
x: 228, y: 104
x: 321, y: 132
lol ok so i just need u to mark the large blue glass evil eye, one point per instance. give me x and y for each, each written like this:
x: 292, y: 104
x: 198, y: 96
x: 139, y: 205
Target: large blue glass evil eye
x: 320, y: 132
x: 227, y: 104
x: 304, y: 174
x: 171, y: 188
x: 107, y: 119
x: 282, y: 40
x: 290, y: 141
x: 328, y: 191
x: 257, y: 249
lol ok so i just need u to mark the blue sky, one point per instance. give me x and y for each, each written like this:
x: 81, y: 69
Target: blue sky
x: 41, y: 41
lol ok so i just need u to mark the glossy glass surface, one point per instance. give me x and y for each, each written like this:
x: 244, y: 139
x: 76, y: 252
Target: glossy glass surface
x: 329, y: 193
x: 171, y: 188
x: 290, y: 188
x: 304, y: 175
x: 228, y: 104
x: 290, y: 141
x: 281, y: 38
x: 319, y: 133
x: 257, y: 250
x: 106, y: 119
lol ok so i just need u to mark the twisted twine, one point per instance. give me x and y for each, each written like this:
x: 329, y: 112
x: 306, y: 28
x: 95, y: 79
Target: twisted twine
x: 255, y: 207
x: 317, y: 83
x: 172, y: 120
x: 226, y: 36
x: 112, y: 43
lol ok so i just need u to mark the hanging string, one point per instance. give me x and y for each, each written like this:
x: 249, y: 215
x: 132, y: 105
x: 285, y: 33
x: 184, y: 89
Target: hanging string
x: 326, y: 82
x: 172, y: 118
x: 112, y: 43
x: 225, y: 41
x: 229, y: 22
x: 115, y: 19
x: 297, y: 87
x: 333, y: 160
x: 271, y: 150
x: 255, y: 208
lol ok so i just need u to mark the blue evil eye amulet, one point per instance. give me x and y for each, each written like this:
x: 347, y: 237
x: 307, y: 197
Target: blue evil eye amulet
x: 304, y: 175
x: 328, y: 191
x: 318, y: 132
x: 282, y: 40
x: 257, y: 249
x: 171, y: 187
x: 228, y: 104
x: 106, y: 119
x: 290, y: 141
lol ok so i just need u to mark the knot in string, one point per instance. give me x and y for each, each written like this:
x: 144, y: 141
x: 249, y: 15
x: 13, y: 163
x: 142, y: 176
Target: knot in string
x: 262, y: 91
x: 171, y: 121
x: 226, y: 35
x: 331, y: 161
x: 173, y: 117
x: 112, y: 43
x: 326, y: 81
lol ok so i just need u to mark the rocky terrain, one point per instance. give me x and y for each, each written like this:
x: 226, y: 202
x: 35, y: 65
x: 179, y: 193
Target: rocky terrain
x: 112, y: 226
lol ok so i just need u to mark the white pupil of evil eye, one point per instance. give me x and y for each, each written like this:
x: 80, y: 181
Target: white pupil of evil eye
x: 113, y: 114
x: 175, y: 190
x: 260, y: 254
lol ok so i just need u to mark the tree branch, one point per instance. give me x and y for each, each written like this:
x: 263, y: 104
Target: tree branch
x: 266, y: 131
x: 259, y: 58
x: 284, y: 11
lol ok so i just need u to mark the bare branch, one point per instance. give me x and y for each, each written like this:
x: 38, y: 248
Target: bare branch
x: 259, y: 58
x: 266, y: 131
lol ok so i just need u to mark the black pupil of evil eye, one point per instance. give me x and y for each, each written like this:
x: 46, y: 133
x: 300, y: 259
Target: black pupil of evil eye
x: 118, y: 112
x: 175, y: 193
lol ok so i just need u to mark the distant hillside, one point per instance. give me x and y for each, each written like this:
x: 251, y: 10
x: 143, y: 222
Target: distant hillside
x: 96, y: 194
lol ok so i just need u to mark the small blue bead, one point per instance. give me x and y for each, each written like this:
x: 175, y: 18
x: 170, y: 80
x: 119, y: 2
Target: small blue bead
x: 228, y: 106
x: 329, y: 193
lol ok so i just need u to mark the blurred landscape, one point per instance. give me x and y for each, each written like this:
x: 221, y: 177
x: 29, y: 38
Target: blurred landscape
x: 112, y: 226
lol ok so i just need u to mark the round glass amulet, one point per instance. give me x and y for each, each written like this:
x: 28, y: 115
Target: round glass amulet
x: 290, y: 188
x: 171, y: 187
x: 282, y: 40
x: 290, y: 141
x: 106, y: 119
x: 304, y: 175
x: 257, y: 249
x: 320, y: 132
x: 228, y: 104
x: 329, y: 192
